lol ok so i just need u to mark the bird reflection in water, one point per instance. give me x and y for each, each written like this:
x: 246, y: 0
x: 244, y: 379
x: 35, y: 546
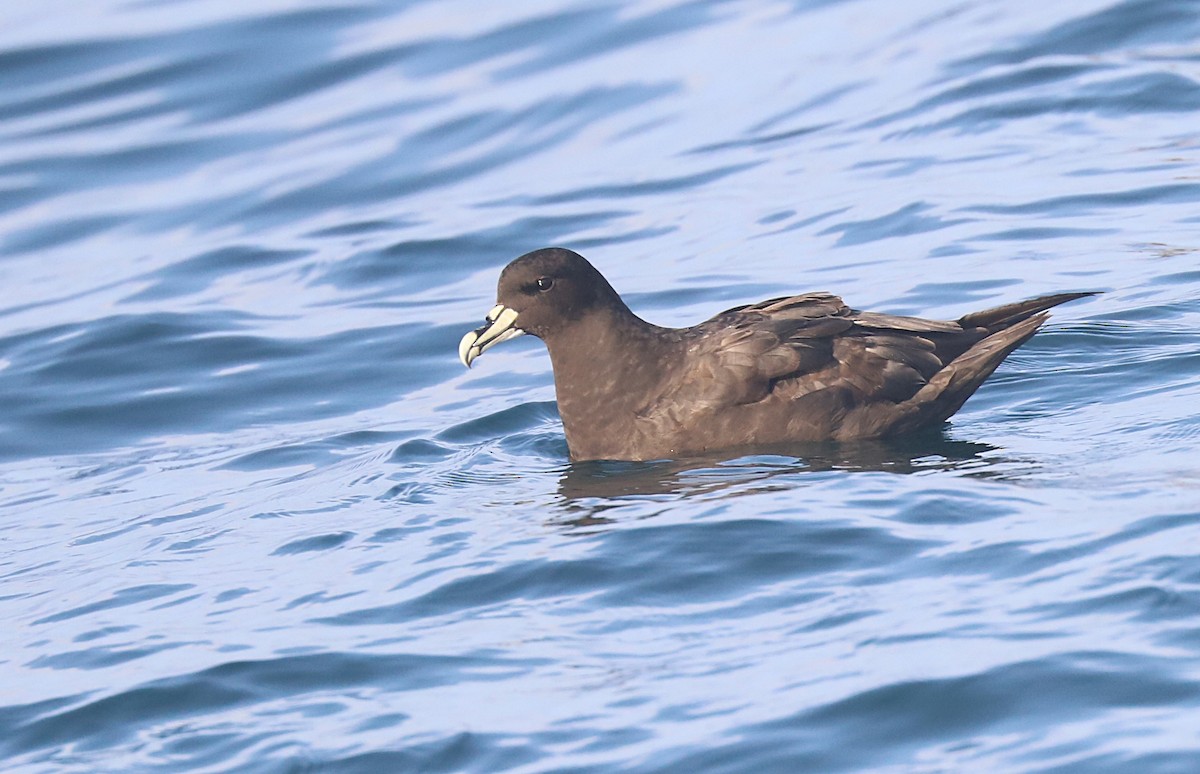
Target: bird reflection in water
x: 589, y: 489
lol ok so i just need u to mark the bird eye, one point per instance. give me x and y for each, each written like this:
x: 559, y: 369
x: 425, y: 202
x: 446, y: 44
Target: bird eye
x: 544, y: 283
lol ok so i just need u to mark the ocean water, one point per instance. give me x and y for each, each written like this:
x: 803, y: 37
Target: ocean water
x: 256, y: 517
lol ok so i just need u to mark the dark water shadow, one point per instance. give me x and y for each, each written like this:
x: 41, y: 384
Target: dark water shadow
x: 611, y: 482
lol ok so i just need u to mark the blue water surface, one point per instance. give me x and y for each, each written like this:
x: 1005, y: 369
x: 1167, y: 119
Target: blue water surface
x: 257, y: 517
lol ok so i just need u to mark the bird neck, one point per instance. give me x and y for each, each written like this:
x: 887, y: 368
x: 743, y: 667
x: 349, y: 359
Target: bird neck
x: 603, y: 367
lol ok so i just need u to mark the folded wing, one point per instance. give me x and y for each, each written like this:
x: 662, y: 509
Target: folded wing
x: 797, y: 345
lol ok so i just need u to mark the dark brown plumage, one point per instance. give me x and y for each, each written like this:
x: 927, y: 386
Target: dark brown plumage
x: 790, y: 369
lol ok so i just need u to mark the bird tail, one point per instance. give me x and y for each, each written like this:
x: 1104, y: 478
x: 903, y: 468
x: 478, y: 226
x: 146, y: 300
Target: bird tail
x: 1001, y: 317
x: 950, y: 387
x: 1007, y: 327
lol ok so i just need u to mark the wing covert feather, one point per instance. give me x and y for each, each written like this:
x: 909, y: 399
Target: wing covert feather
x: 795, y: 345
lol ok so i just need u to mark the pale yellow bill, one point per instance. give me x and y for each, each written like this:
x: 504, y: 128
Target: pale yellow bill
x: 501, y: 327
